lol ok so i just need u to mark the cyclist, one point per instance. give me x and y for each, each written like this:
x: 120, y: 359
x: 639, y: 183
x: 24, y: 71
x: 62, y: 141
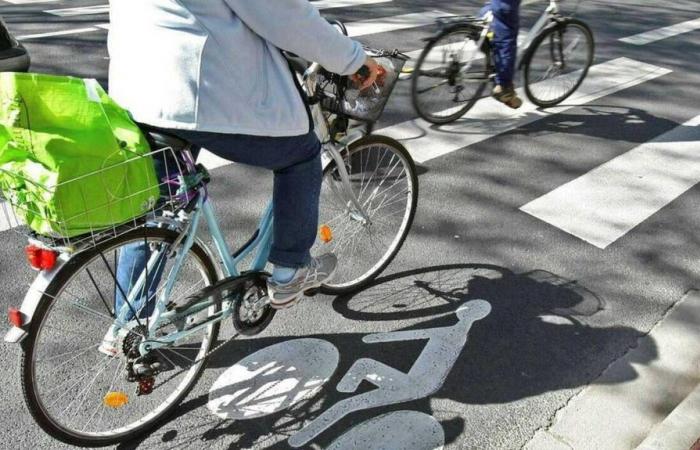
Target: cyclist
x: 506, y: 24
x: 213, y: 74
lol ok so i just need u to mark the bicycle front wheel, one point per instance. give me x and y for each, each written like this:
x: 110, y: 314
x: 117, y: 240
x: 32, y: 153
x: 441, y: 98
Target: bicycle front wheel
x: 81, y: 394
x: 558, y: 63
x: 450, y: 76
x: 383, y: 179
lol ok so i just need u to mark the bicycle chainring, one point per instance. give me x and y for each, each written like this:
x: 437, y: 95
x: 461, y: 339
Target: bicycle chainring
x: 252, y: 312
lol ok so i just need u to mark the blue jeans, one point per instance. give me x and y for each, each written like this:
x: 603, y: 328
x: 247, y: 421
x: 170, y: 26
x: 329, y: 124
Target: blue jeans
x: 506, y: 24
x: 296, y: 164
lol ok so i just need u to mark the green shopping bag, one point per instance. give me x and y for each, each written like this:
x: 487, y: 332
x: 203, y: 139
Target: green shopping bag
x: 71, y: 160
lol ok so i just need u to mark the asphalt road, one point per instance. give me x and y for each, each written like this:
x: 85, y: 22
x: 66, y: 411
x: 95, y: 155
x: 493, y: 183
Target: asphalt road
x: 562, y: 309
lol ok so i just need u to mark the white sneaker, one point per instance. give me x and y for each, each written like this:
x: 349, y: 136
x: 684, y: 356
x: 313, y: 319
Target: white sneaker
x: 111, y: 343
x: 320, y: 270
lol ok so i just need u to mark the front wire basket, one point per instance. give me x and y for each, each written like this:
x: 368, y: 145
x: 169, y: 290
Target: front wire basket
x: 175, y: 186
x: 344, y: 97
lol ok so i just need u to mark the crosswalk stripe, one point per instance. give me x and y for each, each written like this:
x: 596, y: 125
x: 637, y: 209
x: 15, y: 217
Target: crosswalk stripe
x: 489, y: 118
x: 662, y: 33
x: 56, y: 33
x: 606, y: 203
x: 29, y: 2
x: 103, y: 9
x: 393, y: 23
x: 80, y: 11
x: 355, y: 29
x: 328, y: 4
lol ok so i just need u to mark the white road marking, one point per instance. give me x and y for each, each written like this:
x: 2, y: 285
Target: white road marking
x: 680, y: 429
x: 102, y: 9
x: 606, y: 203
x: 636, y: 392
x: 400, y: 430
x: 426, y: 376
x: 81, y: 11
x: 355, y: 29
x: 327, y: 4
x: 272, y: 379
x: 393, y: 23
x: 29, y: 2
x: 211, y: 161
x: 662, y: 33
x: 489, y: 118
x: 56, y: 33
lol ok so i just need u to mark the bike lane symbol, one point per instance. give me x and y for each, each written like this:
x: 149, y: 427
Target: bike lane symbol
x: 426, y: 376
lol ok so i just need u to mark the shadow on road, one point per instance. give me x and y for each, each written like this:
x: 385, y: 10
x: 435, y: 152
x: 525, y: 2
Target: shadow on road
x: 536, y: 340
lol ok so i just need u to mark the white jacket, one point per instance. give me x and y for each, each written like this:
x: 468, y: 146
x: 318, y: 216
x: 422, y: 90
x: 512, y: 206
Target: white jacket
x: 215, y: 65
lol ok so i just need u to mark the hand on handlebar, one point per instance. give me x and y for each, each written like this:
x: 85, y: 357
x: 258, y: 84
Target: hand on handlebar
x: 369, y: 74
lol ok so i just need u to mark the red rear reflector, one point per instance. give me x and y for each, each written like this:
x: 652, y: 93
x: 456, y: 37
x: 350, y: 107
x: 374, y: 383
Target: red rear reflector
x: 40, y: 258
x: 15, y: 317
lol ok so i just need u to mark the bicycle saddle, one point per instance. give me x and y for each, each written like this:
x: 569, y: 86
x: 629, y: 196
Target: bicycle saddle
x: 158, y: 138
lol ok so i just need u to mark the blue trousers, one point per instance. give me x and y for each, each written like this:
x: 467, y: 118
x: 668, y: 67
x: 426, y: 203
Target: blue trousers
x: 506, y: 24
x: 296, y: 164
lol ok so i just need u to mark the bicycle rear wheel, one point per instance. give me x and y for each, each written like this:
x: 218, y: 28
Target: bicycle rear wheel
x: 558, y: 63
x: 383, y: 178
x: 450, y: 76
x: 78, y: 394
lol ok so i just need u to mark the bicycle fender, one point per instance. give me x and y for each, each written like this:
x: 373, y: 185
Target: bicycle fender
x: 555, y: 22
x: 32, y: 300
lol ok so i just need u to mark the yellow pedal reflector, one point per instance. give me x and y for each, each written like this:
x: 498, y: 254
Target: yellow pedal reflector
x: 116, y: 399
x: 325, y: 233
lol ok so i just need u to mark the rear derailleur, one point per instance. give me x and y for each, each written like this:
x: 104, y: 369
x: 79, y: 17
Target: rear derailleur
x: 141, y: 369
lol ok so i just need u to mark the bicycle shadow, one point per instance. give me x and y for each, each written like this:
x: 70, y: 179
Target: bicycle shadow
x: 542, y: 336
x: 602, y: 121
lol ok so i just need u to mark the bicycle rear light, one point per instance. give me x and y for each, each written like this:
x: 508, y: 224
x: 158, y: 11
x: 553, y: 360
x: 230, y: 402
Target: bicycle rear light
x: 40, y: 258
x: 15, y: 317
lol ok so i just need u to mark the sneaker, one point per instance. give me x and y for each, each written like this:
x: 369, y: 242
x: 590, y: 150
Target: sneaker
x: 507, y: 96
x: 320, y: 270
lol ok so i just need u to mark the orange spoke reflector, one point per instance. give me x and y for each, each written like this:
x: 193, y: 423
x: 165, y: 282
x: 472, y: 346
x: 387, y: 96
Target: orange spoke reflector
x: 116, y: 399
x: 325, y: 233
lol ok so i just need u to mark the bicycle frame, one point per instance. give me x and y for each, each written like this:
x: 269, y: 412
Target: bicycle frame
x: 188, y: 227
x: 550, y: 12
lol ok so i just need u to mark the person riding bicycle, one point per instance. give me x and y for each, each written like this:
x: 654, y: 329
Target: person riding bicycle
x: 506, y: 24
x: 213, y: 73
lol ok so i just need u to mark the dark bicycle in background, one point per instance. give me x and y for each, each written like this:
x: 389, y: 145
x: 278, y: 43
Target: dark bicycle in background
x: 456, y: 64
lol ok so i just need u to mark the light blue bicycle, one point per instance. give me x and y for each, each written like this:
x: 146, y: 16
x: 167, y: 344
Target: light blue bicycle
x: 162, y: 335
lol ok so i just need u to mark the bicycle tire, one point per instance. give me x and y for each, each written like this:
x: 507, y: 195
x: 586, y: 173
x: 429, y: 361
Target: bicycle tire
x: 369, y: 144
x: 539, y: 40
x: 468, y: 33
x: 66, y: 274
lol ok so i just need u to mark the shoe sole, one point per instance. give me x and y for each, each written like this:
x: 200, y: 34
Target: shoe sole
x: 107, y: 350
